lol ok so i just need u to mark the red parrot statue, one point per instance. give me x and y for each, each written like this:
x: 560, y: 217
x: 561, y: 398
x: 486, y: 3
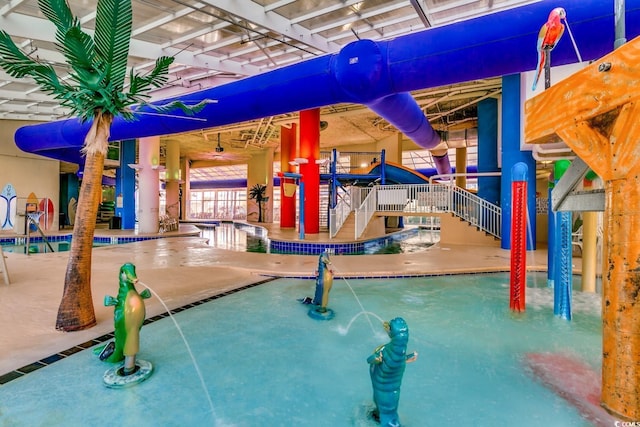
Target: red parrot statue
x: 548, y: 37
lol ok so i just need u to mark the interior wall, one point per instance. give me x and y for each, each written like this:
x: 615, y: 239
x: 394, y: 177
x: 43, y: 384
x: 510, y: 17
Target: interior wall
x: 260, y: 171
x: 455, y: 231
x: 393, y: 145
x: 27, y: 173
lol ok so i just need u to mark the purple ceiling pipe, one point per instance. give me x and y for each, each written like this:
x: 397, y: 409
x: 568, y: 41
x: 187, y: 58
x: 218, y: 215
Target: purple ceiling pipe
x: 361, y: 69
x: 489, y: 46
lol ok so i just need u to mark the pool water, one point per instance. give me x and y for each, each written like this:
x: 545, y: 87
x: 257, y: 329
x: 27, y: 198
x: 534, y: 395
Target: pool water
x: 235, y: 237
x: 420, y: 241
x: 41, y: 247
x: 246, y: 238
x: 265, y: 362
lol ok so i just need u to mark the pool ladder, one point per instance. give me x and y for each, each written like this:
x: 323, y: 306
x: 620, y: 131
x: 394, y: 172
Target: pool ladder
x: 3, y: 266
x: 34, y: 218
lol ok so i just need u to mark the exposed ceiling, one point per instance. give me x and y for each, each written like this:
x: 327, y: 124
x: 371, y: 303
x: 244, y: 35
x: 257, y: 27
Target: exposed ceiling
x: 217, y: 42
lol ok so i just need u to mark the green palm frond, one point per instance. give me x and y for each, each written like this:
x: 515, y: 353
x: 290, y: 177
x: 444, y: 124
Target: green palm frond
x: 179, y: 105
x: 17, y: 64
x: 98, y: 64
x: 58, y: 12
x: 114, y: 20
x: 78, y: 48
x: 158, y: 77
x: 79, y: 52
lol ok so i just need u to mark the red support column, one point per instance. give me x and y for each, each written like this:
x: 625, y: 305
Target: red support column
x: 310, y: 150
x: 288, y: 138
x: 518, y: 279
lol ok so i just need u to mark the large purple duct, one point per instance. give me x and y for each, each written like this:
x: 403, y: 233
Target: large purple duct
x: 376, y: 74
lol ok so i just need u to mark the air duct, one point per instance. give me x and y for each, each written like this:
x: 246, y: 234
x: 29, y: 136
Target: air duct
x: 384, y: 73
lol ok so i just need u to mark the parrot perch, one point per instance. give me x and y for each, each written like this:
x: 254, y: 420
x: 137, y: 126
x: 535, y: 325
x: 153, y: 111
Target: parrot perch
x: 548, y: 37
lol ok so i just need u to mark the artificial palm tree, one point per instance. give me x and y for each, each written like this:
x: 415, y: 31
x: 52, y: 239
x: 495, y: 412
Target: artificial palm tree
x: 94, y: 91
x: 258, y: 192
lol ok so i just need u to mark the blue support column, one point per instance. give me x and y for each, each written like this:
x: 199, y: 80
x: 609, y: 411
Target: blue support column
x: 551, y: 215
x: 383, y: 170
x: 511, y: 154
x: 488, y: 186
x: 69, y: 188
x: 562, y: 271
x: 126, y: 185
x: 301, y: 209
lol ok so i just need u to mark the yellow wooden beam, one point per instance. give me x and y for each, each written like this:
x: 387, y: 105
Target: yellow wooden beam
x: 591, y: 92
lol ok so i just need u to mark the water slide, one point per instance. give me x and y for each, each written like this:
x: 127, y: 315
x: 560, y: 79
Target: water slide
x: 379, y: 75
x: 398, y: 174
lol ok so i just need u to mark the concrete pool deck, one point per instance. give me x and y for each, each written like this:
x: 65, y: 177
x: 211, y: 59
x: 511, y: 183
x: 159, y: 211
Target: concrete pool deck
x: 181, y: 268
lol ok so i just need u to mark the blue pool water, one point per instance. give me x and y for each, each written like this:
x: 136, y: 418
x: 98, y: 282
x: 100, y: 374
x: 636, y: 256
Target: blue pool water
x: 265, y: 362
x: 41, y: 247
x: 247, y: 238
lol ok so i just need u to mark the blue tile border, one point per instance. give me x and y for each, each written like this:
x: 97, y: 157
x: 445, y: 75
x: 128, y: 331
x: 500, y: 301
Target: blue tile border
x: 351, y: 248
x: 113, y: 240
x: 392, y: 275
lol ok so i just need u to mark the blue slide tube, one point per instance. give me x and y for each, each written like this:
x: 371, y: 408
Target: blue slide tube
x: 376, y: 74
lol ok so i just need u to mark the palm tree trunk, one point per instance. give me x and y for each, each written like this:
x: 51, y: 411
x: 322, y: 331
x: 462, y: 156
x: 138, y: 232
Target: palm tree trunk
x: 76, y: 311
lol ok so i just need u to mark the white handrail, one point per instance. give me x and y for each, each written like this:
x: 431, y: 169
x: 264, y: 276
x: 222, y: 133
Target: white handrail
x: 365, y: 211
x: 344, y: 207
x: 338, y: 216
x: 429, y: 198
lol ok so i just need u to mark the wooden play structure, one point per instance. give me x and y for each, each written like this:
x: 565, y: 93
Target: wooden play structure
x: 596, y: 112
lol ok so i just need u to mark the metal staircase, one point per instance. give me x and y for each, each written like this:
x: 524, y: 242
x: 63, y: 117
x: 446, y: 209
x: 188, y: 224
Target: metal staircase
x: 415, y: 200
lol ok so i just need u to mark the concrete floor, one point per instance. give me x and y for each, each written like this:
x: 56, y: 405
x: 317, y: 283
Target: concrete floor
x: 181, y: 268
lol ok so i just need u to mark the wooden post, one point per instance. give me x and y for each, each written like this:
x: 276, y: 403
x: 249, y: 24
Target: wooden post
x: 596, y: 112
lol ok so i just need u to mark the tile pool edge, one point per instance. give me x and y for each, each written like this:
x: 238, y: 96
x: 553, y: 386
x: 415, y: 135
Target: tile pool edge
x: 268, y: 277
x: 24, y: 370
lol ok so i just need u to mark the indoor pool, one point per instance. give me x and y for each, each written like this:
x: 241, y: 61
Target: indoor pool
x: 247, y: 238
x: 41, y: 247
x: 264, y: 362
x: 235, y: 237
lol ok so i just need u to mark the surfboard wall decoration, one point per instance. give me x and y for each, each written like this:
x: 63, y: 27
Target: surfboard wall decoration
x: 31, y: 208
x: 8, y: 203
x: 46, y: 220
x: 73, y: 205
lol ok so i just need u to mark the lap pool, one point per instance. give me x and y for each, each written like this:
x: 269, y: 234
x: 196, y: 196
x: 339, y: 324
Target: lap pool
x: 265, y: 362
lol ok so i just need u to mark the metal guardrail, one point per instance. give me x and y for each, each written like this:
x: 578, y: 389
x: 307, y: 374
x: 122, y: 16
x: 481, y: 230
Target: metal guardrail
x: 484, y: 215
x: 365, y: 211
x: 429, y: 198
x: 345, y: 206
x: 337, y: 217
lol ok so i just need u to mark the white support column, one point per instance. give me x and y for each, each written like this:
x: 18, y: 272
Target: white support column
x: 172, y: 183
x: 148, y: 184
x: 185, y: 168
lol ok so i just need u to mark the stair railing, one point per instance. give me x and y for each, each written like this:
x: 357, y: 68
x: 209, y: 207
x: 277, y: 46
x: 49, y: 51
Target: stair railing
x: 429, y: 198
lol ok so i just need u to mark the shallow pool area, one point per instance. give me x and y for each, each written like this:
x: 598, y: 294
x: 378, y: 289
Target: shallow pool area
x: 243, y: 237
x: 61, y: 243
x: 264, y: 361
x: 41, y: 247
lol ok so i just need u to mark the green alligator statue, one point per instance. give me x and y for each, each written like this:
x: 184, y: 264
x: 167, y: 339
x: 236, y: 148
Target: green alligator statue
x: 129, y: 314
